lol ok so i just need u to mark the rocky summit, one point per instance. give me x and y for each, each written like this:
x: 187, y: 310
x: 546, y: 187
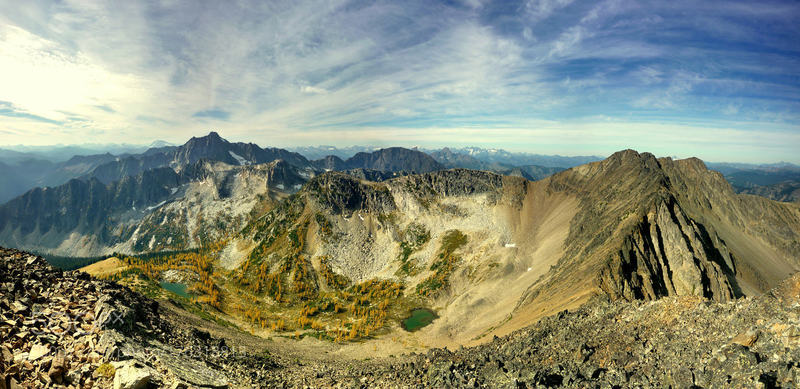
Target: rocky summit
x: 65, y: 329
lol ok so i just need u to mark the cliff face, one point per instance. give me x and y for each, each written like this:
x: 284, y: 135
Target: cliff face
x: 341, y: 193
x: 84, y: 206
x: 668, y: 254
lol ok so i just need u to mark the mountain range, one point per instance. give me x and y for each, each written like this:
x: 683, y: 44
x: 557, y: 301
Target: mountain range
x: 31, y: 167
x: 122, y: 192
x: 346, y: 252
x: 501, y: 250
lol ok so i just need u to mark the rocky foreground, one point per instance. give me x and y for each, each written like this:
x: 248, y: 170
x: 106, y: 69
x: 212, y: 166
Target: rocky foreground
x: 66, y: 329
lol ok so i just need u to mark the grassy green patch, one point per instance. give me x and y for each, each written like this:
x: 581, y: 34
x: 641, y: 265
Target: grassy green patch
x: 444, y: 265
x: 414, y: 237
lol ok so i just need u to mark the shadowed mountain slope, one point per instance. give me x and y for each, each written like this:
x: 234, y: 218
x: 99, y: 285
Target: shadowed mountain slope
x: 393, y: 159
x: 154, y: 210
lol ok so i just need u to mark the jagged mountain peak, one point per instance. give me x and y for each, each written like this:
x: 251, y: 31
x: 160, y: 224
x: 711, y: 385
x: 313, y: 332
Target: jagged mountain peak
x: 627, y: 159
x: 628, y: 169
x: 212, y: 137
x: 205, y: 144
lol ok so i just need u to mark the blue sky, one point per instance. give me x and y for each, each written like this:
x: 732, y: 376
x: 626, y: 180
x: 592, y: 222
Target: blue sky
x: 714, y: 79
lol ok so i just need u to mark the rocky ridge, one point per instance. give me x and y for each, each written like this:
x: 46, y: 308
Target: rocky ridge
x: 209, y: 147
x: 676, y: 341
x: 65, y: 328
x: 629, y: 227
x: 664, y: 228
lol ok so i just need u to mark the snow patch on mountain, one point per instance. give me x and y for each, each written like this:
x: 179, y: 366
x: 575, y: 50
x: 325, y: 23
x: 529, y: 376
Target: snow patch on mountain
x: 150, y: 208
x: 239, y: 158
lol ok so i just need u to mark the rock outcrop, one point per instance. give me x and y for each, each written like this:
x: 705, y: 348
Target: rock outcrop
x: 668, y: 254
x: 649, y: 228
x: 341, y: 193
x: 65, y: 328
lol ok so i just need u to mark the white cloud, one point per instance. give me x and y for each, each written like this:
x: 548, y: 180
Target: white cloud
x: 541, y: 9
x: 567, y: 41
x: 333, y: 67
x: 41, y: 78
x: 313, y: 90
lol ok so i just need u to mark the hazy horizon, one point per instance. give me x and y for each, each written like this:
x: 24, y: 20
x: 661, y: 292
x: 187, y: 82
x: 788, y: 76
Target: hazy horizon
x: 717, y: 80
x: 99, y: 146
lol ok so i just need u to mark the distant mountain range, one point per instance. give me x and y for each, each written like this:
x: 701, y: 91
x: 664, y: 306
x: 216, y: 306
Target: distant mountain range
x: 27, y: 167
x: 18, y: 177
x: 320, y: 152
x: 41, y: 167
x: 779, y: 181
x: 60, y: 153
x: 451, y: 159
x: 393, y: 159
x: 523, y: 159
x: 488, y: 156
x: 30, y: 167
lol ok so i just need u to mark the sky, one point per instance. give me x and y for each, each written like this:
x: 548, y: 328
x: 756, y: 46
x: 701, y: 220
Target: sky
x: 715, y: 79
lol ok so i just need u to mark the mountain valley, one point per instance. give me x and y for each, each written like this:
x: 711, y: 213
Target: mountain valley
x: 302, y: 256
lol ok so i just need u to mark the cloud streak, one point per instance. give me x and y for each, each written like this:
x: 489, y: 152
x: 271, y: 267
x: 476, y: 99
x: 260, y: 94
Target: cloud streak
x: 314, y: 71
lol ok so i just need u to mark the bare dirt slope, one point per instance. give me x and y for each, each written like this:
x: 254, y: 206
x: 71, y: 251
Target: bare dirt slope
x: 105, y: 267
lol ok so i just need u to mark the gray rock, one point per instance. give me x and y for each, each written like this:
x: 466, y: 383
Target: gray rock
x: 129, y: 376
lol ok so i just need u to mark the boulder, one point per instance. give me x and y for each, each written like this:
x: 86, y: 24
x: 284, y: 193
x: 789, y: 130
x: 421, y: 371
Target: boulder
x: 129, y: 376
x: 38, y: 351
x: 746, y: 339
x: 110, y: 314
x: 57, y: 367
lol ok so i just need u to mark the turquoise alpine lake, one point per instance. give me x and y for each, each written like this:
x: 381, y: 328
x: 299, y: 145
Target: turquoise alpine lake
x: 418, y: 318
x: 175, y: 287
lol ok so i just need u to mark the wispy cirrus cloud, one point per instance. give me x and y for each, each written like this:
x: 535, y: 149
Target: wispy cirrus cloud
x: 212, y: 114
x: 342, y: 67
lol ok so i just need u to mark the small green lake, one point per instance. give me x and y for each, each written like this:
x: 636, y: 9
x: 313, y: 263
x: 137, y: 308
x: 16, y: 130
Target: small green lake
x: 418, y: 318
x: 175, y: 287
